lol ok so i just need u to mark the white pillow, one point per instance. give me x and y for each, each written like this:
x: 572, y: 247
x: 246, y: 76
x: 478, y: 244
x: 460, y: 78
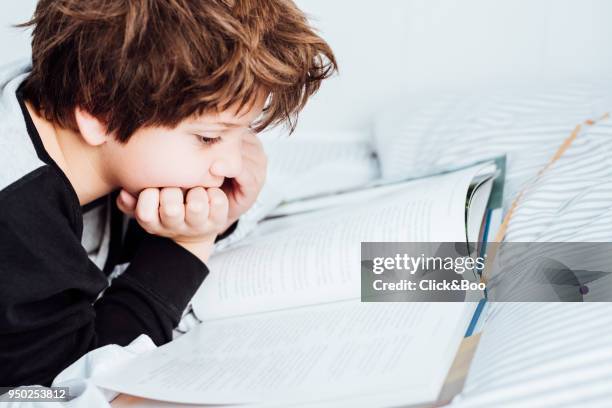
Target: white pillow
x: 572, y: 200
x: 525, y: 120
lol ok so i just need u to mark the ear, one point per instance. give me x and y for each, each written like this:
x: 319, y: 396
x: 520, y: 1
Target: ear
x: 92, y: 130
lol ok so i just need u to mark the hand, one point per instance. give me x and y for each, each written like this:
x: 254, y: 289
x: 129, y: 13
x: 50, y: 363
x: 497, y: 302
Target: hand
x: 193, y: 222
x: 242, y: 191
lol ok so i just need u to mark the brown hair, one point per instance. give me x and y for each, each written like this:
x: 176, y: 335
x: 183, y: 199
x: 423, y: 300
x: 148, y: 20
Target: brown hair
x: 134, y: 63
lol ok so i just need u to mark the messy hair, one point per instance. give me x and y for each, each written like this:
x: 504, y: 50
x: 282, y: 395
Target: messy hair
x: 137, y: 63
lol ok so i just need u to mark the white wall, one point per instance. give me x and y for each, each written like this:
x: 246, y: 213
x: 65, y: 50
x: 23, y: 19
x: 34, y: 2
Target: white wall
x: 15, y: 42
x: 395, y: 47
x: 388, y: 48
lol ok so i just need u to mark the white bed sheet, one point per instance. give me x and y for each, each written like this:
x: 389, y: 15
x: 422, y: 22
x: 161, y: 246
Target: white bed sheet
x: 585, y: 175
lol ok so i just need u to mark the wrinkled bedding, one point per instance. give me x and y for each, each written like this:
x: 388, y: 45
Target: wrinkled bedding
x: 571, y: 202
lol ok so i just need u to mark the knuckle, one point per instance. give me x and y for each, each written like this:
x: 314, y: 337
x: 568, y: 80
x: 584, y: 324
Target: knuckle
x: 142, y: 216
x: 195, y: 211
x: 171, y: 210
x: 149, y: 192
x: 196, y: 194
x: 195, y: 206
x: 171, y: 195
x: 214, y: 193
x: 220, y: 199
x: 146, y: 224
x: 149, y: 229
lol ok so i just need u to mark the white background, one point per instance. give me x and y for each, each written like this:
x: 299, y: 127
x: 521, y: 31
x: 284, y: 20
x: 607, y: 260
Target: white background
x: 390, y: 49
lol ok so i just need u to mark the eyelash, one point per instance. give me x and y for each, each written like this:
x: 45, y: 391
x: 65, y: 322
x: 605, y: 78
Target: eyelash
x: 208, y: 140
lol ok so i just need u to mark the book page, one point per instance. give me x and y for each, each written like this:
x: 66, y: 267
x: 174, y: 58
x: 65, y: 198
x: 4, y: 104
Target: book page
x: 308, y: 354
x: 307, y: 166
x: 373, y: 188
x: 351, y: 197
x: 477, y: 209
x: 542, y: 354
x: 316, y: 257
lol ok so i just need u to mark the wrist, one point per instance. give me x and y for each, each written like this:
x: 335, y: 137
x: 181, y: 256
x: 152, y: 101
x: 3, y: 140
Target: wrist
x: 230, y: 222
x: 201, y: 249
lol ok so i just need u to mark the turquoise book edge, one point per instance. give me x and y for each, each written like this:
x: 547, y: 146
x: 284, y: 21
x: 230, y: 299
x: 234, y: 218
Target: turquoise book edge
x: 495, y: 202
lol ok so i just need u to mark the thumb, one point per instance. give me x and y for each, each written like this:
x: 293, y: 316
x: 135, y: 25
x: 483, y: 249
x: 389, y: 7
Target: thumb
x: 126, y: 202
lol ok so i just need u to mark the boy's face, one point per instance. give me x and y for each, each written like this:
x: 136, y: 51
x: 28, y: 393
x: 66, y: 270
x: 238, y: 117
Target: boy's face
x: 200, y: 151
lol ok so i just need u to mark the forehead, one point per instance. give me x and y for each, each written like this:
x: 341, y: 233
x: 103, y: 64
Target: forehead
x: 232, y: 116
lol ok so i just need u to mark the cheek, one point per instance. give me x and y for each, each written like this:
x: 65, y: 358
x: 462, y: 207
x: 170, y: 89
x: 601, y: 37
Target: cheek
x: 155, y: 168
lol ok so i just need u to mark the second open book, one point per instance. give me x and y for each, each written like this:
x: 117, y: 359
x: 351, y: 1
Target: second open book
x: 282, y: 318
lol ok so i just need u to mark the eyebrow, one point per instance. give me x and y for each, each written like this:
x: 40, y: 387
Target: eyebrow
x: 228, y: 124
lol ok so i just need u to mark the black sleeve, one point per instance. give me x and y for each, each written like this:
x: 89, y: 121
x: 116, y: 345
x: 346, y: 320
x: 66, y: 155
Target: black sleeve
x: 50, y: 310
x: 150, y: 296
x: 228, y: 231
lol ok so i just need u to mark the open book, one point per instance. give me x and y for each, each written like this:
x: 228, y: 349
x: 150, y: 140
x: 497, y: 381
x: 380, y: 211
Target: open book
x: 546, y: 354
x: 282, y: 317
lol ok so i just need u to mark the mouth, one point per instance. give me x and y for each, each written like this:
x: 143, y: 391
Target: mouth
x: 220, y: 183
x: 215, y: 184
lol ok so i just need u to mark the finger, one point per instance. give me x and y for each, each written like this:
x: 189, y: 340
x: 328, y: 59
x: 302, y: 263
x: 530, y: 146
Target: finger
x: 171, y: 207
x: 196, y: 208
x: 126, y: 202
x: 147, y: 210
x: 219, y: 206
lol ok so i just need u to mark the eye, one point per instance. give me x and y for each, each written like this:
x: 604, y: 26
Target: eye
x: 208, y: 140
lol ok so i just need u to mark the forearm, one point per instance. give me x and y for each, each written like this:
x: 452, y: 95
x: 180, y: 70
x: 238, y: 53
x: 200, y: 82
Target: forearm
x: 44, y: 331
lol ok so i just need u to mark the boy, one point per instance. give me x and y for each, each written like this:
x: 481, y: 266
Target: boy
x: 147, y: 108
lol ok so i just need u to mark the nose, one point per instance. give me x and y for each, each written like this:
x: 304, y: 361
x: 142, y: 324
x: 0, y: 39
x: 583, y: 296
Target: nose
x: 228, y: 164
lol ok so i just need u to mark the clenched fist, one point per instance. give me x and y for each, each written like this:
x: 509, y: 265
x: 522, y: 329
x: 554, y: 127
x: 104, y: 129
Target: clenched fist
x: 192, y: 220
x: 243, y: 190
